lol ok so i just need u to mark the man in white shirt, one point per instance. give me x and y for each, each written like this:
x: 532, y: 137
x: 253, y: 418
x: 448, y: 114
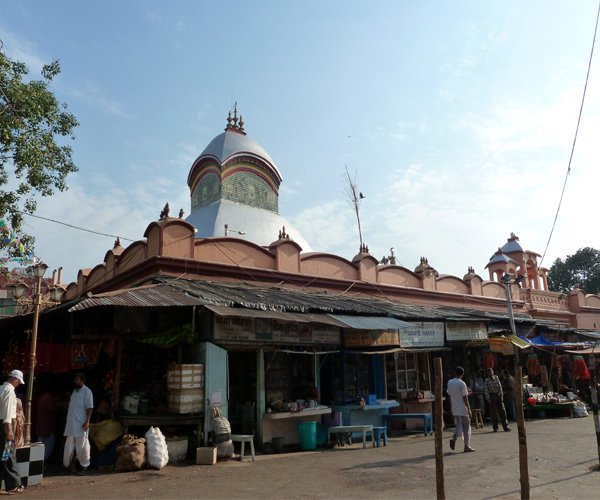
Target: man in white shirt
x: 8, y: 411
x: 461, y: 410
x: 77, y: 428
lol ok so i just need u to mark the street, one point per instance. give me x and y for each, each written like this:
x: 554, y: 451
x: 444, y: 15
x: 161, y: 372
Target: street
x: 562, y: 454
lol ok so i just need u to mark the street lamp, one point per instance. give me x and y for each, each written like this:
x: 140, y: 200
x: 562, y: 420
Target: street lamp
x: 228, y: 230
x: 507, y: 280
x: 19, y: 293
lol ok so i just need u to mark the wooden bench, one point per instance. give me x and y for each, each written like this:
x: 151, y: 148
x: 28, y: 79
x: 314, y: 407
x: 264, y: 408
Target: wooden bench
x: 243, y: 439
x: 349, y: 429
x: 426, y: 417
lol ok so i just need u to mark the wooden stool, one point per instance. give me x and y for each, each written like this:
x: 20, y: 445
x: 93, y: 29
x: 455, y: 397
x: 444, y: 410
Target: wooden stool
x: 477, y: 418
x: 243, y: 439
x: 380, y: 434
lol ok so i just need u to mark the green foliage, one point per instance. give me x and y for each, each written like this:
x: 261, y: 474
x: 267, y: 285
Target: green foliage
x: 582, y: 269
x: 35, y: 158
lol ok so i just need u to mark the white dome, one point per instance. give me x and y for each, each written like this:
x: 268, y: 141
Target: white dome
x: 260, y: 226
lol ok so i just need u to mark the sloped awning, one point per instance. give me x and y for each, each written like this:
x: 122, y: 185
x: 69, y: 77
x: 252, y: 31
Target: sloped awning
x: 142, y: 296
x: 371, y: 322
x: 510, y: 339
x: 325, y: 319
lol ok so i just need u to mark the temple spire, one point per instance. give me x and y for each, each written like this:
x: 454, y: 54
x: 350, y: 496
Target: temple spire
x: 235, y: 124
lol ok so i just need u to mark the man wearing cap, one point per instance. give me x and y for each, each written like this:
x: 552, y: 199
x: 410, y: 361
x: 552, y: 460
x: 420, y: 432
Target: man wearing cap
x: 77, y: 429
x: 8, y: 411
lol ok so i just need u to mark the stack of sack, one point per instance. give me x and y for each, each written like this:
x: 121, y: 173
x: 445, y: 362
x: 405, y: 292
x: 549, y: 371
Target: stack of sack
x: 131, y: 454
x: 222, y: 435
x: 157, y: 453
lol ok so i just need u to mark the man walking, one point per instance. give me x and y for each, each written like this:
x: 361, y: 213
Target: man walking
x: 461, y: 410
x: 494, y: 396
x: 79, y: 414
x: 8, y: 411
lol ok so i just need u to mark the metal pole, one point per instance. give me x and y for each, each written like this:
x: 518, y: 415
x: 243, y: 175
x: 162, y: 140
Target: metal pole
x: 439, y: 424
x: 523, y: 464
x: 36, y: 316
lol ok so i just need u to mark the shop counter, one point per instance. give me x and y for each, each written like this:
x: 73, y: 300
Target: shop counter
x: 541, y: 410
x: 161, y: 419
x: 284, y: 424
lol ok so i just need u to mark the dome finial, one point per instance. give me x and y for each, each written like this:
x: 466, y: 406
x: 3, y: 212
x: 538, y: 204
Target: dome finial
x: 228, y: 120
x: 241, y: 124
x: 235, y: 118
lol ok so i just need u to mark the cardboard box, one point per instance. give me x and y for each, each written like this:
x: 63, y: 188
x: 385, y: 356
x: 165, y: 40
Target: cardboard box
x: 206, y: 456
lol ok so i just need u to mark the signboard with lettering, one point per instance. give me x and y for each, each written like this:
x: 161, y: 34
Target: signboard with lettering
x: 234, y: 329
x: 423, y: 335
x: 325, y: 334
x: 466, y: 330
x: 268, y: 330
x: 368, y: 338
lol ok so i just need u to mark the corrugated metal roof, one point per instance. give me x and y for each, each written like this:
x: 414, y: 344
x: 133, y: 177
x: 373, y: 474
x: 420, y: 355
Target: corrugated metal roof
x: 143, y: 296
x: 182, y: 292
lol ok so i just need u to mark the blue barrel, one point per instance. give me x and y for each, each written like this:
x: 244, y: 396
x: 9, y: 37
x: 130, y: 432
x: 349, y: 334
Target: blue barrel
x: 308, y: 435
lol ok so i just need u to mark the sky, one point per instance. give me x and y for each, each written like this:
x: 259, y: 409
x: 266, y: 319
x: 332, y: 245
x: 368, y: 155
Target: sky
x: 455, y: 117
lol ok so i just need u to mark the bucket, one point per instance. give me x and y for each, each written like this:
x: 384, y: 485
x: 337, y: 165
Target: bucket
x: 308, y: 435
x: 321, y: 435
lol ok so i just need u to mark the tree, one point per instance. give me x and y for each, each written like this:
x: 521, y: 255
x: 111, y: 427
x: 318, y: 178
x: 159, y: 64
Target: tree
x: 581, y: 269
x: 35, y: 158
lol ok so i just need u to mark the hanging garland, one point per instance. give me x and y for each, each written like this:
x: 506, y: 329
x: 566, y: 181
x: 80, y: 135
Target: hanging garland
x: 17, y: 250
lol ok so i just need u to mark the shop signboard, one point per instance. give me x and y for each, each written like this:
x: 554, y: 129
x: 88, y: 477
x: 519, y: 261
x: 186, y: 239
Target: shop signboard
x: 232, y: 328
x: 285, y: 331
x: 263, y: 329
x: 466, y: 330
x: 427, y: 334
x: 370, y: 338
x: 325, y: 334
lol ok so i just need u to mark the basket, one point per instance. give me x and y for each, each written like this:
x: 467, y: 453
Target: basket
x: 186, y: 401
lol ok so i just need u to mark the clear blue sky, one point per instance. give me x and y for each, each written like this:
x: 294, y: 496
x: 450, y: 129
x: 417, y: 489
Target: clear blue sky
x: 457, y: 117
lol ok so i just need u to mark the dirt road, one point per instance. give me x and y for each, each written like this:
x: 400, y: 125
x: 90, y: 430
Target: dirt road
x: 561, y: 455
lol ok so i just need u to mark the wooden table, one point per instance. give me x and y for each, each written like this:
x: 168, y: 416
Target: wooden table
x: 426, y: 417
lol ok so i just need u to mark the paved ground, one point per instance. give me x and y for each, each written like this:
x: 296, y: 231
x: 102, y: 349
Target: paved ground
x: 562, y: 453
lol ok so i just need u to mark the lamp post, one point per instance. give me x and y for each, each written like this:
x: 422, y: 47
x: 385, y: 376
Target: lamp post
x: 19, y: 291
x: 507, y: 280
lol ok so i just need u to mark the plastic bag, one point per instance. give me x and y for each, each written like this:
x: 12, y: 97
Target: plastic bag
x: 157, y: 453
x: 105, y: 432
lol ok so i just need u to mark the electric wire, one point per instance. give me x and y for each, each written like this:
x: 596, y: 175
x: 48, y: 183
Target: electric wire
x: 574, y: 138
x: 76, y: 227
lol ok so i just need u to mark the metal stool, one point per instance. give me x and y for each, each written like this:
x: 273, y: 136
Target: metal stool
x: 477, y: 418
x: 243, y: 439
